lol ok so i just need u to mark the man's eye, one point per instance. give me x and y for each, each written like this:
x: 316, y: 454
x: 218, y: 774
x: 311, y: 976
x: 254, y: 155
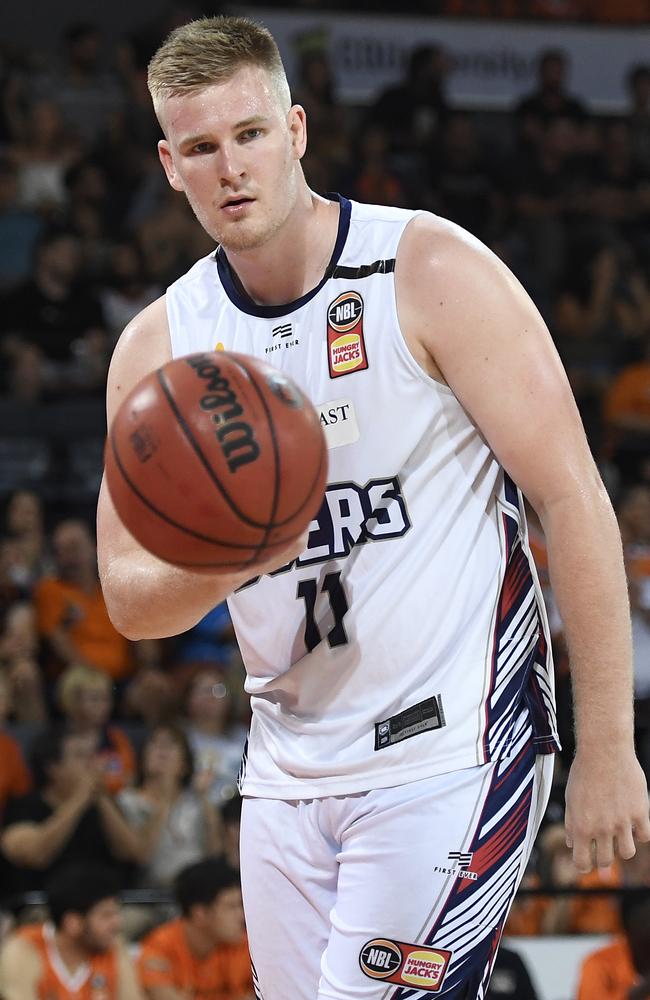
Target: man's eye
x: 251, y: 133
x: 202, y: 147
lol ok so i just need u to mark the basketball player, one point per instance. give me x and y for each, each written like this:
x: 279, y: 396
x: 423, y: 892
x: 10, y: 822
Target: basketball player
x: 403, y: 728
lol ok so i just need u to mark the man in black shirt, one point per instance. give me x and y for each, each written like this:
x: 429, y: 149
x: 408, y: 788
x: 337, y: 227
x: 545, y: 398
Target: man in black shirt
x: 69, y: 817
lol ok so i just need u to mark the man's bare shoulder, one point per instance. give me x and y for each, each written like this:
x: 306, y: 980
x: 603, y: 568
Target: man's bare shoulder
x: 19, y: 963
x: 438, y: 258
x: 143, y: 346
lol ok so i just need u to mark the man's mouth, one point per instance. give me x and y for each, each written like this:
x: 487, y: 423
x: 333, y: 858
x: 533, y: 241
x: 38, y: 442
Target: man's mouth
x: 234, y: 203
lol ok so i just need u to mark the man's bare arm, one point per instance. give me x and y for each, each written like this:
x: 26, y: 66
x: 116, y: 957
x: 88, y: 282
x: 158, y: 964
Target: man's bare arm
x: 20, y: 970
x: 147, y: 598
x: 127, y: 981
x: 165, y: 993
x: 467, y: 315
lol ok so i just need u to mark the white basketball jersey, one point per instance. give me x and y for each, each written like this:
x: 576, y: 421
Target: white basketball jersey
x: 410, y: 638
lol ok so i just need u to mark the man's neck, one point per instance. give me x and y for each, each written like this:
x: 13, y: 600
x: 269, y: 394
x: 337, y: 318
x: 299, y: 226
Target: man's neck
x: 295, y: 260
x: 199, y: 942
x: 73, y: 955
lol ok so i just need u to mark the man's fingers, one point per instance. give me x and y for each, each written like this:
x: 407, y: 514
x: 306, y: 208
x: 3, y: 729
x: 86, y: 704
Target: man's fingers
x: 583, y: 854
x: 625, y: 845
x: 604, y: 853
x: 642, y: 830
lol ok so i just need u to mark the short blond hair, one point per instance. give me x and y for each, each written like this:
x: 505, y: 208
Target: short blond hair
x: 211, y: 50
x: 76, y: 679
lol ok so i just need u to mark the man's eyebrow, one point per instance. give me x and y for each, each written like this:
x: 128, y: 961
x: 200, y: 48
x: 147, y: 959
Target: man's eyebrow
x: 253, y: 120
x: 192, y: 140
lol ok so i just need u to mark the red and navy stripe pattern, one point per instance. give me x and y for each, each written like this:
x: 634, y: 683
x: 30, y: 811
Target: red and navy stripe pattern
x: 520, y: 660
x: 470, y: 921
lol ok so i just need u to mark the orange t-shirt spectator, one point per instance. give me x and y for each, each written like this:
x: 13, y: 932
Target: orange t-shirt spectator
x: 70, y: 607
x: 14, y: 776
x: 204, y: 953
x: 621, y: 970
x: 608, y: 974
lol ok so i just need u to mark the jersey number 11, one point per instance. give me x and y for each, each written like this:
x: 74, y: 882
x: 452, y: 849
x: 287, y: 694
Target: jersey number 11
x: 308, y: 591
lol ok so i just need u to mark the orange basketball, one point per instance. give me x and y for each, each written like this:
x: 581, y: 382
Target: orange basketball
x: 216, y: 461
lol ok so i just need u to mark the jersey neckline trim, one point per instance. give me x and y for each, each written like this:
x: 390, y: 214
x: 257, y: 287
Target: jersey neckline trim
x: 246, y: 304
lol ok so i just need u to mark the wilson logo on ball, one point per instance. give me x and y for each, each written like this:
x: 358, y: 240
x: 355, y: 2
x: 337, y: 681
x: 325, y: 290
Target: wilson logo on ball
x: 236, y: 437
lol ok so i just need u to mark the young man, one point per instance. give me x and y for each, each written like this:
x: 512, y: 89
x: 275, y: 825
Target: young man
x: 398, y: 663
x: 204, y: 953
x: 77, y: 956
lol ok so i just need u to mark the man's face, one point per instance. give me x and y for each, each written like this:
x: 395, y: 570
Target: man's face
x: 74, y: 549
x: 101, y: 926
x: 235, y: 153
x: 226, y: 916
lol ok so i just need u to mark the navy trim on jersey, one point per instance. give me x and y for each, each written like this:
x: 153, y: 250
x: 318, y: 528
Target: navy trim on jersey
x: 364, y: 270
x: 243, y: 301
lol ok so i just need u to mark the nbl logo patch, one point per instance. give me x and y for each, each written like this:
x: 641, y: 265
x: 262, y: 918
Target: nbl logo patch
x: 405, y: 964
x: 346, y: 349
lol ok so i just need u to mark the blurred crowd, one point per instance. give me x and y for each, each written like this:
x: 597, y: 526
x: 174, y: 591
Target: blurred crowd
x: 124, y: 755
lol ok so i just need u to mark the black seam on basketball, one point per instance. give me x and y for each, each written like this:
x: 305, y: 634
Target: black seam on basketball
x: 323, y: 452
x: 165, y: 517
x: 276, y: 453
x: 201, y: 456
x: 323, y: 455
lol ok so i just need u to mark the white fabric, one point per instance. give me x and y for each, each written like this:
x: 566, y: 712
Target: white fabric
x: 422, y: 577
x: 323, y: 877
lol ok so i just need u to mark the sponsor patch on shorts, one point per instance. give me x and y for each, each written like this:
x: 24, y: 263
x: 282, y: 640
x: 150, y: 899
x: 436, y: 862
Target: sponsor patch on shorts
x: 421, y: 718
x: 404, y: 964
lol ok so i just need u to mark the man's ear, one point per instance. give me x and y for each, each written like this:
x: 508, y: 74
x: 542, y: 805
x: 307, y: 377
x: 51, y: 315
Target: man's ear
x: 171, y: 173
x: 297, y: 121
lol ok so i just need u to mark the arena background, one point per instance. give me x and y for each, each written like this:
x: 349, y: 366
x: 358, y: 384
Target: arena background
x: 559, y: 187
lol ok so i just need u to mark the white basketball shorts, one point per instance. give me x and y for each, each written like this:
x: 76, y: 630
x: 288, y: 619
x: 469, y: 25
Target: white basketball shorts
x: 392, y: 894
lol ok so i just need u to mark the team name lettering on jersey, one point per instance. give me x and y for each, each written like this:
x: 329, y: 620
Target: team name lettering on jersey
x: 352, y: 515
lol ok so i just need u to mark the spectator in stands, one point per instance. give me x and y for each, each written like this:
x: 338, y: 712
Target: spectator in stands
x: 315, y: 90
x: 72, y: 615
x: 78, y: 953
x: 20, y: 664
x: 90, y: 215
x: 627, y: 416
x: 231, y: 818
x: 85, y: 696
x: 211, y: 640
x: 621, y: 970
x: 58, y: 315
x: 217, y: 742
x: 204, y: 952
x: 461, y: 179
x: 15, y: 780
x: 150, y: 698
x: 87, y: 94
x: 550, y: 99
x: 373, y: 180
x: 68, y: 817
x: 42, y: 151
x: 24, y: 523
x: 617, y: 184
x: 20, y: 229
x: 638, y: 84
x: 169, y: 809
x: 510, y: 979
x: 127, y: 289
x: 412, y: 112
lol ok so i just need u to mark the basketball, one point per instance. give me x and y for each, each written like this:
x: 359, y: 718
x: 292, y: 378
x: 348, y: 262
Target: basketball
x: 216, y: 462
